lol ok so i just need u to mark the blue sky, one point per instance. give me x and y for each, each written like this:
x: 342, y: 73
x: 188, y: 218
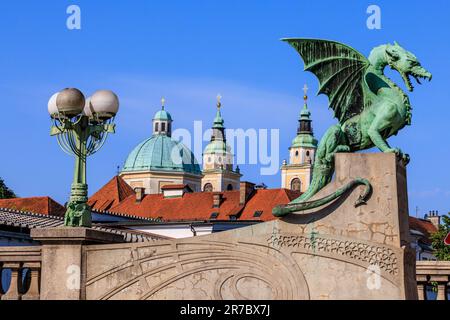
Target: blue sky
x: 188, y: 51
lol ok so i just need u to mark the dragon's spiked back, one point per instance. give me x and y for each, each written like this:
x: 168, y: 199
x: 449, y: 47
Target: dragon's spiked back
x: 352, y: 84
x: 340, y: 70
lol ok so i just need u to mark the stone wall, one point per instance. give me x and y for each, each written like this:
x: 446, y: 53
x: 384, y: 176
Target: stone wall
x: 334, y: 252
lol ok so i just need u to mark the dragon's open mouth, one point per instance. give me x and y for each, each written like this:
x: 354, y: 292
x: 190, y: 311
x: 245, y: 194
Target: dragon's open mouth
x: 417, y: 75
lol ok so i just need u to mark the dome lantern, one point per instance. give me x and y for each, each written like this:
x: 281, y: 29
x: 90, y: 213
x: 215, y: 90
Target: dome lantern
x: 162, y: 121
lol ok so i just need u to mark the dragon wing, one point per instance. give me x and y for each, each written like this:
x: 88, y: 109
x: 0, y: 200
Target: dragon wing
x: 340, y: 70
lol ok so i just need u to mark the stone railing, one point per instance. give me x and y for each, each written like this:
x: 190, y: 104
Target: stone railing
x: 433, y: 273
x: 21, y: 268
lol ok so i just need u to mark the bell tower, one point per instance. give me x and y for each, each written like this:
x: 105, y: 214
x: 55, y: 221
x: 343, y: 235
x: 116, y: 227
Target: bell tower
x: 218, y: 171
x: 296, y: 175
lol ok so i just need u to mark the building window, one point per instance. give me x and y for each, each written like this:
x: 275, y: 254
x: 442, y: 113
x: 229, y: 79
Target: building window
x: 296, y: 184
x: 163, y: 126
x: 214, y: 215
x: 307, y: 153
x: 208, y: 187
x: 257, y: 214
x: 156, y: 127
x: 229, y: 187
x: 296, y: 153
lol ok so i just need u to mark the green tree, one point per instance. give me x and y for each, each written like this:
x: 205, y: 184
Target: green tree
x: 5, y: 192
x: 440, y: 250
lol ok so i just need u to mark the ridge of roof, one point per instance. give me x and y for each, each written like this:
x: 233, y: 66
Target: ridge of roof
x: 112, y: 193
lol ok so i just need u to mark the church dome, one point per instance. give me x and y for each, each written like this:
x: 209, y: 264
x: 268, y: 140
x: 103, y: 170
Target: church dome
x: 304, y: 140
x: 217, y: 146
x: 161, y: 153
x: 162, y: 115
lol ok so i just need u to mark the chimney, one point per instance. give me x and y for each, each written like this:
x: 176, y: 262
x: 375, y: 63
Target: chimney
x: 246, y: 189
x: 434, y: 217
x: 217, y: 199
x: 140, y: 193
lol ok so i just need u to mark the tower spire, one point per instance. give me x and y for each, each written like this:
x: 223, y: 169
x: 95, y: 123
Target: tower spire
x: 305, y: 96
x: 305, y: 120
x: 218, y: 120
x: 163, y: 103
x: 219, y: 103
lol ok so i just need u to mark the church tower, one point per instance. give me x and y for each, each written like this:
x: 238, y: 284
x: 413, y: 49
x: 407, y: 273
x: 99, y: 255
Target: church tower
x: 296, y: 175
x: 218, y: 172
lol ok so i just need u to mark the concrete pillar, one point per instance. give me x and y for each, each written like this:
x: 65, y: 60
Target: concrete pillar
x: 441, y: 291
x: 62, y: 259
x: 13, y: 291
x: 421, y: 291
x: 33, y: 291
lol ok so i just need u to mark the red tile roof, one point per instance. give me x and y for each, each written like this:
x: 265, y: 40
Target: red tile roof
x: 42, y: 205
x: 111, y: 194
x: 423, y: 226
x: 199, y: 205
x: 265, y: 200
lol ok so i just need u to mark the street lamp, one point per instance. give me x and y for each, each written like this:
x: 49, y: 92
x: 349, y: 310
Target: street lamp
x: 81, y: 127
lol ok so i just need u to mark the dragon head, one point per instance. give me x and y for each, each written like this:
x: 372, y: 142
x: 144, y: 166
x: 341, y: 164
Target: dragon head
x: 406, y: 64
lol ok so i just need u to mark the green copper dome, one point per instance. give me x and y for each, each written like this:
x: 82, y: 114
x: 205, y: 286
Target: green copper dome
x: 304, y: 140
x: 305, y: 137
x: 162, y: 115
x: 161, y: 153
x: 217, y: 146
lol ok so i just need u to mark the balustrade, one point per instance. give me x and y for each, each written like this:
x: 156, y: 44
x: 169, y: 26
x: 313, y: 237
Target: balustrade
x: 20, y: 269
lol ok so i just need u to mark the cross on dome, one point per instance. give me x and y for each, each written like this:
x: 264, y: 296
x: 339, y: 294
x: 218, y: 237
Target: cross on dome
x: 305, y: 90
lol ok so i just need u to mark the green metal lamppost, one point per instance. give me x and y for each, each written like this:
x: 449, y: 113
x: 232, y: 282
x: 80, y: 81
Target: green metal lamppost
x: 81, y: 127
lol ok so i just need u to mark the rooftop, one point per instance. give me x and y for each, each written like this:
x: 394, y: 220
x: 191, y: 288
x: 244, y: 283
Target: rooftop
x: 41, y: 205
x: 199, y: 205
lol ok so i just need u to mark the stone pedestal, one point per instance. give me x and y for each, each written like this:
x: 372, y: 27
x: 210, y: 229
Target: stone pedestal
x: 337, y: 251
x: 62, y: 259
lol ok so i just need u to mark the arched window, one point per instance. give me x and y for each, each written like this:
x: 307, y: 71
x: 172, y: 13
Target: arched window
x: 296, y: 184
x: 163, y: 126
x: 296, y: 153
x: 208, y: 187
x: 156, y: 127
x: 229, y: 187
x: 307, y: 153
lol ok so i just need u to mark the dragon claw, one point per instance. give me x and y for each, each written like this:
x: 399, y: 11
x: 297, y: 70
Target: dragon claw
x: 360, y: 201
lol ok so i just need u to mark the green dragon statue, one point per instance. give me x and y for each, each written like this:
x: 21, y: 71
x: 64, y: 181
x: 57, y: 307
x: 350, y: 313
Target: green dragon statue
x: 369, y: 106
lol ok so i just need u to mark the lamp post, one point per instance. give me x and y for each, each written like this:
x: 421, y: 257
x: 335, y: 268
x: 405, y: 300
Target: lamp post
x: 81, y: 127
